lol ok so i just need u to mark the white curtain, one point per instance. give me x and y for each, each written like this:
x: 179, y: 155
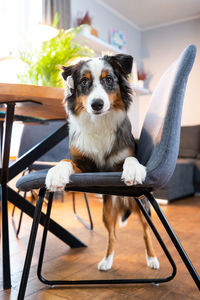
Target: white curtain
x: 17, y: 19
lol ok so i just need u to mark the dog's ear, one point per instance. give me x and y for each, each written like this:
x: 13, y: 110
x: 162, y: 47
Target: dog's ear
x: 67, y: 76
x: 67, y: 71
x: 125, y: 61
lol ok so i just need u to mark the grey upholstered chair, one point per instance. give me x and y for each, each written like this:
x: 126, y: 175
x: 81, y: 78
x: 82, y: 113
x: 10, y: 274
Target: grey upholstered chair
x: 157, y: 149
x: 33, y: 134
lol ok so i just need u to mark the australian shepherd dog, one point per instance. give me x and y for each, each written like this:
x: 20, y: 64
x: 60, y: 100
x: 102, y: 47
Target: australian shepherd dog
x: 98, y: 95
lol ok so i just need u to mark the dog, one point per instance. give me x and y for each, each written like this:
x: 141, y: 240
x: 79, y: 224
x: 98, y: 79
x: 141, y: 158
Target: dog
x: 97, y: 98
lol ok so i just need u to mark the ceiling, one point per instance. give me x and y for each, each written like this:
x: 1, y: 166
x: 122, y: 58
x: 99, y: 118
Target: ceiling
x: 146, y: 14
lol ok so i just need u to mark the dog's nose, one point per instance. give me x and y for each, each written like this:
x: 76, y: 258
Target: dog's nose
x: 97, y: 104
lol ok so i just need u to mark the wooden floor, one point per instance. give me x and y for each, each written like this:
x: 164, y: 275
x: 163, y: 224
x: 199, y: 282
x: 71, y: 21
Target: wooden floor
x: 61, y: 262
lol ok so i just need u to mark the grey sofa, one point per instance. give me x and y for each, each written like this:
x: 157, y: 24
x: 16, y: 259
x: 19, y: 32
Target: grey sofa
x: 186, y: 177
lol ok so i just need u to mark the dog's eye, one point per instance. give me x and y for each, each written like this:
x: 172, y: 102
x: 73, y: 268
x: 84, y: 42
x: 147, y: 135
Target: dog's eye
x: 84, y: 81
x: 109, y: 80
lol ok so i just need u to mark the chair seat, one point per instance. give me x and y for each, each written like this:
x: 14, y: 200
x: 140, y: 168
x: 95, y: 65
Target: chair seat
x: 40, y: 165
x: 33, y: 180
x: 36, y: 180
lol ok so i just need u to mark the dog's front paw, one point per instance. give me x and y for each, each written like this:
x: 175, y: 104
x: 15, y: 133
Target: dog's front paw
x: 106, y: 263
x: 153, y: 262
x: 58, y: 176
x: 133, y: 171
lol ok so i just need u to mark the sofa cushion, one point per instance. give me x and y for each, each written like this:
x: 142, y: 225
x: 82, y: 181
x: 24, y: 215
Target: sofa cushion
x: 181, y: 183
x: 190, y: 141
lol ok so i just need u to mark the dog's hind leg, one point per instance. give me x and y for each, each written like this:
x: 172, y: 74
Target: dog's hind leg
x: 151, y: 258
x: 110, y: 215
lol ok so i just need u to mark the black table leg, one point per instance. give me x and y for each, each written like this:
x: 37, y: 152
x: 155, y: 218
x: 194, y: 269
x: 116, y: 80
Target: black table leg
x: 1, y: 138
x: 6, y: 174
x: 54, y: 227
x: 3, y: 191
x: 1, y: 141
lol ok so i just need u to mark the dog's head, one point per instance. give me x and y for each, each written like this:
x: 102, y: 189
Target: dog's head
x: 98, y: 85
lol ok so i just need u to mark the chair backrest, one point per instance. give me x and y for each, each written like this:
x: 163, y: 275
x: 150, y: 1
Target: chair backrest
x: 160, y: 136
x: 33, y: 134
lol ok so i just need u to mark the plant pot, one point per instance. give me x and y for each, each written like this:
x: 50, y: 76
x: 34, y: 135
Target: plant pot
x: 141, y: 83
x: 88, y: 29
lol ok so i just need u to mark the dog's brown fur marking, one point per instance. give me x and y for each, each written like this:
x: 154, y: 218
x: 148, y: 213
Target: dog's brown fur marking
x: 80, y: 103
x: 110, y: 219
x: 147, y: 235
x: 104, y: 73
x: 87, y: 74
x: 116, y: 100
x: 75, y: 152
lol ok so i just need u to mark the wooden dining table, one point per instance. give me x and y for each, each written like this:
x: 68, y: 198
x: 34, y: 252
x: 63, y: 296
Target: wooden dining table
x: 34, y: 104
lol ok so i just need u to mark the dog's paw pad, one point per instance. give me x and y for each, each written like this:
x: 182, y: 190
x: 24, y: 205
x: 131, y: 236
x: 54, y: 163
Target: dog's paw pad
x: 133, y: 171
x: 58, y: 176
x: 152, y: 262
x: 106, y: 263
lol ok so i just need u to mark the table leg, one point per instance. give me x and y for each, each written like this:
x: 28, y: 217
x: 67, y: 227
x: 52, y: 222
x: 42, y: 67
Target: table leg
x: 1, y: 138
x: 54, y: 227
x: 1, y: 141
x: 3, y: 193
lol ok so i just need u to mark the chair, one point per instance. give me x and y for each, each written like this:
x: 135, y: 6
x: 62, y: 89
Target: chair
x: 31, y: 135
x: 157, y: 149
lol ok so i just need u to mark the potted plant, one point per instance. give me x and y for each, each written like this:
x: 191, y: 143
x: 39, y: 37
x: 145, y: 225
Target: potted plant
x: 42, y: 65
x: 142, y: 76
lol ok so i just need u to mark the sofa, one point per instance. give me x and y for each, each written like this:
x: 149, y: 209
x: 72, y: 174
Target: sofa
x: 186, y: 177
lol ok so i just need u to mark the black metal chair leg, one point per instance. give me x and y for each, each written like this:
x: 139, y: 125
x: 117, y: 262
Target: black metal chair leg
x: 13, y: 211
x: 108, y: 281
x: 31, y: 245
x: 20, y: 219
x: 21, y: 213
x: 44, y: 237
x: 32, y: 196
x: 174, y: 239
x: 148, y: 218
x: 88, y: 209
x: 19, y: 224
x: 90, y: 227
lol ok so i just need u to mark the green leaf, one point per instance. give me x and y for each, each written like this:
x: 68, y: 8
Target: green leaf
x: 56, y: 20
x: 42, y: 65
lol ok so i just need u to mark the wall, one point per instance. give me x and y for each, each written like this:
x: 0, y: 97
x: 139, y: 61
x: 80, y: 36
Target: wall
x: 156, y: 48
x: 160, y: 47
x: 104, y: 19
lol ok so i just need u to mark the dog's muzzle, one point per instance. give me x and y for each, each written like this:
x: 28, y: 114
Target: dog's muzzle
x: 97, y: 105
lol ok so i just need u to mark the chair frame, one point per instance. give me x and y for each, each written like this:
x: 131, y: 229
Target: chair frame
x: 180, y: 70
x: 89, y: 226
x: 110, y: 191
x: 28, y: 170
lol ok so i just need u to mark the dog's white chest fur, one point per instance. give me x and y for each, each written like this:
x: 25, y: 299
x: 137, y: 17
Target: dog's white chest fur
x: 94, y: 135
